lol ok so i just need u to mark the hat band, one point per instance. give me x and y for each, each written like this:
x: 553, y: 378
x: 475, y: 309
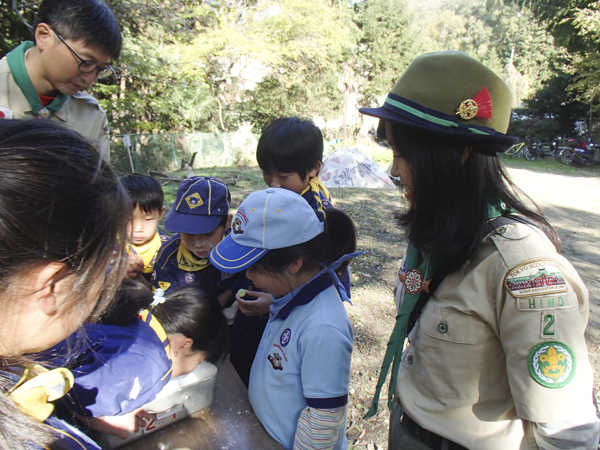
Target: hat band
x: 426, y: 116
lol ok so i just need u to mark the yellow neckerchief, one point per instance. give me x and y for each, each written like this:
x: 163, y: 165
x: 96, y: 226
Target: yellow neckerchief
x: 153, y: 323
x: 148, y: 252
x: 316, y: 186
x: 188, y: 262
x: 38, y: 387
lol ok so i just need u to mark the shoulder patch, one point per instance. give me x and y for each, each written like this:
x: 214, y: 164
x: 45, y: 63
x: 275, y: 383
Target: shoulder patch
x: 552, y: 364
x: 535, y: 278
x: 164, y: 285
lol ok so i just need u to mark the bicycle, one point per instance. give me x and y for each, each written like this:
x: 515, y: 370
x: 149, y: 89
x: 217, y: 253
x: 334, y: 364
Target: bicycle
x: 516, y: 150
x: 542, y: 150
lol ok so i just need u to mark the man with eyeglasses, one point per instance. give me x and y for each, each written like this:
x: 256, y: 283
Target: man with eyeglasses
x: 74, y: 44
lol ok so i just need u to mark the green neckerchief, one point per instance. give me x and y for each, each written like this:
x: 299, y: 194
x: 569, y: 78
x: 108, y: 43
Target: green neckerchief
x: 396, y: 342
x: 395, y: 345
x: 16, y: 63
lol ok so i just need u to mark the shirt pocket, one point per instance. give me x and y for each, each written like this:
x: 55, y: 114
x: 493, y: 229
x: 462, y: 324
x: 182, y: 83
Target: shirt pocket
x: 452, y: 326
x: 452, y: 354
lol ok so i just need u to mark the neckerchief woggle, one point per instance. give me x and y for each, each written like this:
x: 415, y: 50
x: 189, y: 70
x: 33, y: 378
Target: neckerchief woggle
x: 395, y: 346
x: 16, y: 63
x: 331, y: 268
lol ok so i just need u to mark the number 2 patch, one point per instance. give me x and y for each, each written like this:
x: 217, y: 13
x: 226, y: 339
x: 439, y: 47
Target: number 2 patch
x: 548, y: 326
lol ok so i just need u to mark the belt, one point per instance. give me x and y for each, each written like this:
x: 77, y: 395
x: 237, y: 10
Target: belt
x: 427, y: 437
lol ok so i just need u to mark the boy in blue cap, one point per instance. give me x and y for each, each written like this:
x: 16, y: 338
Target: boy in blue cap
x: 200, y: 216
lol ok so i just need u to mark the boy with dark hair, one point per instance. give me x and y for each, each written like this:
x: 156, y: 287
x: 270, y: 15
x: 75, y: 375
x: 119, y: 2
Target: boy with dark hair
x: 74, y: 42
x: 201, y: 218
x: 290, y: 153
x: 147, y: 198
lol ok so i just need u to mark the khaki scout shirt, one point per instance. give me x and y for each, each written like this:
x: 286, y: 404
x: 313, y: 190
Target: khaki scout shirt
x: 81, y: 112
x: 466, y: 373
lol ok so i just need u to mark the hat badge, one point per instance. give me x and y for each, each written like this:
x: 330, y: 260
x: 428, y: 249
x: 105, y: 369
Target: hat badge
x: 478, y: 107
x: 194, y: 200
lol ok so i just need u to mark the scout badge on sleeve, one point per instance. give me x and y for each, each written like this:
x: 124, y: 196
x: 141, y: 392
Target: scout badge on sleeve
x: 541, y: 277
x: 552, y: 364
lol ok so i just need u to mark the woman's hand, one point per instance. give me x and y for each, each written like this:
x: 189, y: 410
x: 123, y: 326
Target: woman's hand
x: 119, y: 426
x: 257, y: 307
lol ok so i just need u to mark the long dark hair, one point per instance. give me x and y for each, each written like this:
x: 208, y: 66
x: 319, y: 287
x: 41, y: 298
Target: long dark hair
x: 338, y: 239
x: 59, y: 202
x: 451, y: 197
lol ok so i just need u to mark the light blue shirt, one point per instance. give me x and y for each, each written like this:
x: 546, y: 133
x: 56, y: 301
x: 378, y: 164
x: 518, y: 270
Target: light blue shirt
x: 303, y: 359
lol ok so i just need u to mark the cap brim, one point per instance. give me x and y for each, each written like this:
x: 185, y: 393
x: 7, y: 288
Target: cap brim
x: 488, y: 144
x: 230, y: 257
x: 176, y: 222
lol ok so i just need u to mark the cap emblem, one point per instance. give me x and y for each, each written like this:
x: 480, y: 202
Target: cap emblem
x: 194, y: 200
x: 239, y: 222
x: 479, y: 107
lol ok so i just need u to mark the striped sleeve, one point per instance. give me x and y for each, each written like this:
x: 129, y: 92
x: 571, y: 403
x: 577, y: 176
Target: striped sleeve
x: 319, y: 428
x: 566, y: 435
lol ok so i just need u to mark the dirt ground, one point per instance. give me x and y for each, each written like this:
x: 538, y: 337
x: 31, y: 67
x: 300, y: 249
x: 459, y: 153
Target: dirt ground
x: 573, y: 206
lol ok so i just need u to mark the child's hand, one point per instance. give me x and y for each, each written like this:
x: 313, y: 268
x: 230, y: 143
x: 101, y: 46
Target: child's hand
x: 135, y: 265
x: 257, y: 307
x: 118, y: 425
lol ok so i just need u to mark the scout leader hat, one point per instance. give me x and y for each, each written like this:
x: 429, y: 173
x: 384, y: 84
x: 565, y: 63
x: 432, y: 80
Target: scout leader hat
x: 453, y: 96
x: 267, y: 220
x: 199, y: 207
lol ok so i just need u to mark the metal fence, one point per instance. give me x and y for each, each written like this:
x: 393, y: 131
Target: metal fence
x: 166, y: 152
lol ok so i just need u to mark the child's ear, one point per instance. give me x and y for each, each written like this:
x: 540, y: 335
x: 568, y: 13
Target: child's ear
x: 48, y: 281
x: 295, y: 266
x: 315, y: 170
x: 228, y: 223
x: 162, y: 213
x: 181, y: 346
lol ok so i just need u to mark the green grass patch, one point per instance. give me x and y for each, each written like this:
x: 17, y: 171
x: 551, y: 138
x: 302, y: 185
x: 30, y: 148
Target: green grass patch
x: 550, y: 164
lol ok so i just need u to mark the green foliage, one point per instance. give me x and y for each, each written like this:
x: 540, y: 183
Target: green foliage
x: 13, y: 28
x: 385, y: 44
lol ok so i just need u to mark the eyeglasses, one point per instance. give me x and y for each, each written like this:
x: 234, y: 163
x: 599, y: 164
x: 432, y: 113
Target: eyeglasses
x: 88, y: 66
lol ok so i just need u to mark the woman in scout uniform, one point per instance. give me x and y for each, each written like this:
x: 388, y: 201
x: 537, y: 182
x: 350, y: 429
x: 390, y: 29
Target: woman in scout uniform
x: 495, y: 317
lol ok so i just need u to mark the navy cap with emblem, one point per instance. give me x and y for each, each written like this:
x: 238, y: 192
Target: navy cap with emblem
x: 200, y: 204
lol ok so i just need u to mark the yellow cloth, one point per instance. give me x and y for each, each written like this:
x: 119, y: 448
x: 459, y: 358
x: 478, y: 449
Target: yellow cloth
x: 319, y: 191
x: 188, y: 262
x: 148, y: 252
x: 38, y: 387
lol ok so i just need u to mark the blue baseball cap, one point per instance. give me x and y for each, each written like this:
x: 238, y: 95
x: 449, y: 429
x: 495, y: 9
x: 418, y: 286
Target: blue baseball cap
x: 266, y: 220
x: 200, y: 204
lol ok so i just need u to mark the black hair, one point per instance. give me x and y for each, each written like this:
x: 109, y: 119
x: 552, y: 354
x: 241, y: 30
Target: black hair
x: 91, y: 21
x: 290, y: 144
x: 338, y: 239
x: 187, y: 310
x: 451, y: 196
x: 144, y: 191
x: 192, y: 312
x: 59, y: 202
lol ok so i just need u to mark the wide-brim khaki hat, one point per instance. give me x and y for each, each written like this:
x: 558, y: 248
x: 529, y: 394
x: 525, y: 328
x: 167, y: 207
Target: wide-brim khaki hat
x: 452, y: 95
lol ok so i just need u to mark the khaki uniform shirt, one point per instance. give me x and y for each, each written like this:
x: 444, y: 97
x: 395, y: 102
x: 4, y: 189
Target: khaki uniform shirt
x: 81, y: 112
x: 471, y: 371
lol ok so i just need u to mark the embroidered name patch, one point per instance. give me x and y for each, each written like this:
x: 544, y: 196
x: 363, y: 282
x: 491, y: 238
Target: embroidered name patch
x: 542, y: 303
x: 535, y: 278
x: 552, y: 364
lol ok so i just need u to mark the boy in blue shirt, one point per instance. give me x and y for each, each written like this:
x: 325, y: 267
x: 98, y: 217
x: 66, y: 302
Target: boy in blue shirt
x: 201, y: 217
x: 147, y: 198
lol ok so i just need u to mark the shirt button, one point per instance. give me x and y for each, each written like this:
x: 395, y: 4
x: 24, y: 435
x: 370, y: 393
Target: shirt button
x: 442, y: 327
x: 409, y: 359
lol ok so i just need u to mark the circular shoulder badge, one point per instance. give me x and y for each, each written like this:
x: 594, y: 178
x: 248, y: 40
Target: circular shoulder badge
x: 552, y: 364
x: 285, y: 337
